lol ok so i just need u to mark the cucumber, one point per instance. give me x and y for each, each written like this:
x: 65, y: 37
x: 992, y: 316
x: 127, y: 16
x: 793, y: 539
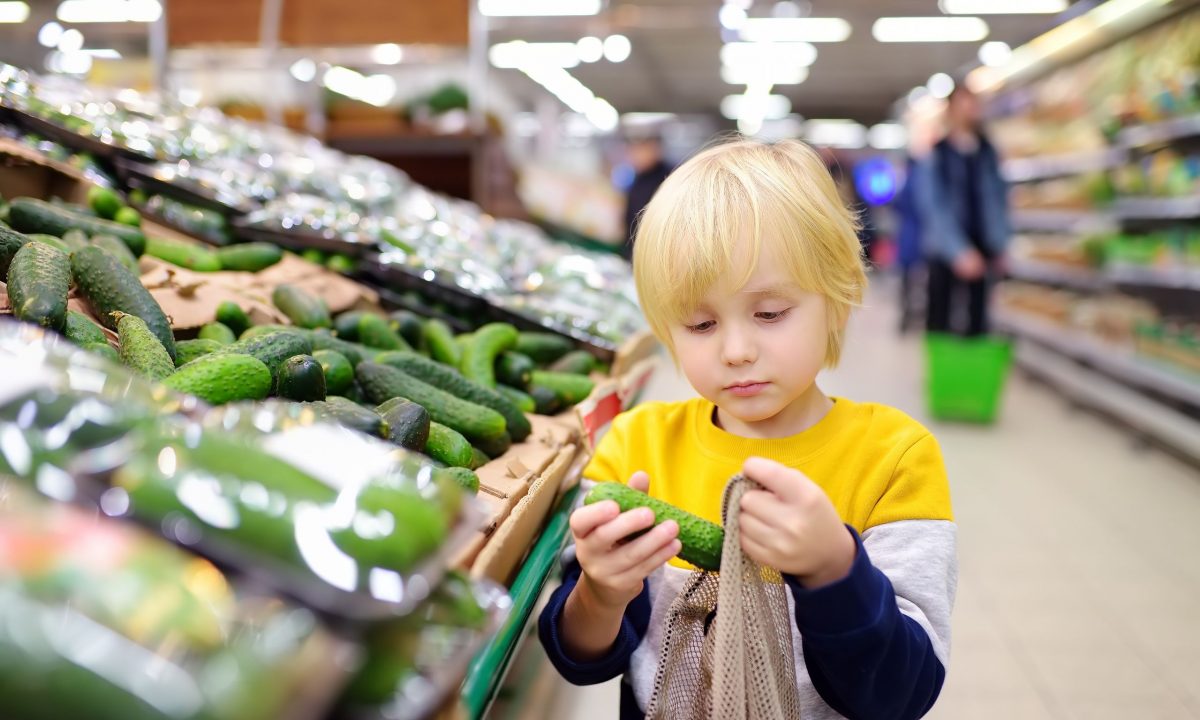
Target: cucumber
x: 109, y: 286
x: 544, y: 348
x: 408, y: 423
x: 702, y: 540
x: 219, y: 332
x: 381, y: 383
x: 448, y: 446
x: 119, y: 250
x: 232, y: 316
x: 448, y: 379
x: 128, y: 216
x: 350, y: 414
x: 10, y: 242
x: 545, y: 400
x: 346, y: 324
x: 54, y: 242
x: 375, y: 331
x: 303, y: 309
x: 479, y: 356
x: 440, y: 341
x: 514, y: 369
x: 300, y: 377
x: 260, y: 330
x: 353, y: 352
x: 576, y: 362
x: 188, y: 350
x: 339, y: 373
x: 140, y: 350
x: 36, y: 216
x: 523, y: 401
x: 408, y: 325
x: 343, y: 264
x: 76, y: 239
x: 80, y: 330
x: 104, y: 350
x: 478, y: 458
x: 104, y: 202
x: 219, y: 378
x: 495, y: 447
x: 272, y: 348
x: 249, y: 257
x: 39, y: 278
x: 184, y: 255
x: 571, y: 389
x: 464, y: 477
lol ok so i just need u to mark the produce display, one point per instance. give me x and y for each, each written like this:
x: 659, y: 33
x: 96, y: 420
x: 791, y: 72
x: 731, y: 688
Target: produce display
x: 701, y: 540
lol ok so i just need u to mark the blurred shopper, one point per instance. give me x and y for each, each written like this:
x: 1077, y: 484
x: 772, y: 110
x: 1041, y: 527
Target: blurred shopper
x: 650, y: 169
x: 908, y: 246
x: 964, y: 216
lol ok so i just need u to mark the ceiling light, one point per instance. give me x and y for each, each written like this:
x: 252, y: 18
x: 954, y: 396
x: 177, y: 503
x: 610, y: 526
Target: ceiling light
x: 590, y: 49
x: 574, y: 94
x: 929, y: 29
x: 646, y: 118
x: 518, y: 54
x: 772, y: 107
x: 102, y: 53
x: 303, y: 70
x: 940, y: 85
x: 377, y: 90
x: 106, y: 11
x: 537, y: 8
x: 835, y: 133
x: 71, y: 41
x: 764, y: 55
x: 917, y: 94
x: 387, y: 54
x: 790, y: 9
x: 887, y: 136
x: 76, y: 63
x: 732, y: 17
x: 994, y: 53
x: 14, y: 12
x: 1002, y: 7
x: 50, y: 34
x: 795, y: 30
x: 776, y: 75
x: 617, y: 48
x: 603, y: 115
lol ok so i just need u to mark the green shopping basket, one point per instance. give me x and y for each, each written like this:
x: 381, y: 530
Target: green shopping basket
x: 964, y: 377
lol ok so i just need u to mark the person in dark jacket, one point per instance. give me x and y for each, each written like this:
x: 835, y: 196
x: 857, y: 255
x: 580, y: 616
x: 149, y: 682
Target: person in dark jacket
x: 650, y: 169
x: 963, y: 204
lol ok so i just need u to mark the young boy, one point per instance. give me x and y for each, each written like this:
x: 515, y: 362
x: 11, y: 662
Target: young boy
x: 747, y: 266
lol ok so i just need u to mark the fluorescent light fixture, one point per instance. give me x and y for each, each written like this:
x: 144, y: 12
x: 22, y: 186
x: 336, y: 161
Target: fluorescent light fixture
x: 750, y: 125
x: 835, y: 133
x: 940, y: 85
x: 917, y: 94
x: 589, y: 49
x: 519, y: 54
x: 603, y: 115
x: 764, y: 55
x: 772, y: 107
x: 377, y: 90
x: 538, y: 8
x: 732, y: 17
x: 1002, y: 7
x: 795, y: 30
x: 776, y: 74
x: 633, y: 119
x: 887, y: 136
x: 617, y: 48
x: 71, y: 41
x: 785, y: 128
x: 387, y: 54
x: 929, y: 29
x: 109, y: 11
x: 303, y: 70
x: 50, y: 34
x: 574, y: 94
x: 994, y: 53
x: 72, y: 63
x: 102, y: 53
x: 14, y: 12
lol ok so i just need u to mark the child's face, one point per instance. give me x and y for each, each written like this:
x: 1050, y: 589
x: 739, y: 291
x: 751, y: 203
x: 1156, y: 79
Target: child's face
x: 755, y: 352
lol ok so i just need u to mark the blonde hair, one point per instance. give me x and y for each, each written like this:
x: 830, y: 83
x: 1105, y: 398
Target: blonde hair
x: 689, y: 233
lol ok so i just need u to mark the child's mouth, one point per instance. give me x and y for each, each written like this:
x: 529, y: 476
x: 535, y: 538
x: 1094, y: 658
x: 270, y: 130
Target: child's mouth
x: 746, y: 389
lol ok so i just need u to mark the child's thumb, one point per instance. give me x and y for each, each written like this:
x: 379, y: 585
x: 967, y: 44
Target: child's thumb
x: 640, y: 481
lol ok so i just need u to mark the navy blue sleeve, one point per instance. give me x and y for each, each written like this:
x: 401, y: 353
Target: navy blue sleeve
x: 865, y: 657
x: 611, y: 665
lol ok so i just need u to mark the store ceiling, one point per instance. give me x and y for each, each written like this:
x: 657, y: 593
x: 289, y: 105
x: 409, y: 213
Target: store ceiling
x: 675, y: 65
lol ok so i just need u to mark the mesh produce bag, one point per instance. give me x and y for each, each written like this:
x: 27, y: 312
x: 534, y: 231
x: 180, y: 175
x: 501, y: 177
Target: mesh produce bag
x: 736, y: 664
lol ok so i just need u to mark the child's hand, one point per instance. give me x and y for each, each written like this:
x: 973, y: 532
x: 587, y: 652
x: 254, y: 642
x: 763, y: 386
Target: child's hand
x: 613, y: 570
x: 791, y: 526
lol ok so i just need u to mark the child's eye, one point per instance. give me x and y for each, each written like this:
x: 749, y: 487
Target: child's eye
x: 701, y: 328
x: 770, y: 316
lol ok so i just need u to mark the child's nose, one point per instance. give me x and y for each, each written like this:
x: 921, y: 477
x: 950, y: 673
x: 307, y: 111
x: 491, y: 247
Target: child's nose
x: 738, y: 348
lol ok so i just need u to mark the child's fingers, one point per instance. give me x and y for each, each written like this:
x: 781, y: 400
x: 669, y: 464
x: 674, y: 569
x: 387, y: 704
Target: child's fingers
x: 623, y: 525
x: 656, y: 560
x: 640, y: 481
x: 589, y: 517
x: 757, y: 530
x: 776, y: 477
x: 756, y: 551
x: 637, y: 553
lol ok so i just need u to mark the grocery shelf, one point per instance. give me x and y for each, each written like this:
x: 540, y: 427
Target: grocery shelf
x: 1045, y: 167
x: 1116, y: 361
x: 1153, y: 208
x: 1160, y: 132
x: 1062, y: 221
x: 1177, y: 277
x: 1050, y: 273
x: 1087, y: 279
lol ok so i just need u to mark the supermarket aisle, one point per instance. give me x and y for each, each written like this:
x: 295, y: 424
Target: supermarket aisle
x: 1078, y: 586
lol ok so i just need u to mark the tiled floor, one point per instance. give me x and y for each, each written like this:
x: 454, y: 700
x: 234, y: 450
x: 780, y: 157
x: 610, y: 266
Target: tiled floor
x: 1079, y: 589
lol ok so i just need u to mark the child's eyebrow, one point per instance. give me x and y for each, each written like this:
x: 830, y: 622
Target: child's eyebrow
x: 772, y: 291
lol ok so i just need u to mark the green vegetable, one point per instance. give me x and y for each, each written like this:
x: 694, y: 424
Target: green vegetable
x: 701, y: 539
x: 375, y: 331
x: 300, y: 377
x: 463, y: 476
x: 340, y: 264
x: 346, y: 324
x: 80, y: 330
x: 313, y: 255
x: 188, y: 350
x: 381, y: 383
x: 120, y: 251
x: 478, y: 458
x: 495, y: 447
x: 39, y: 278
x: 128, y: 216
x: 440, y: 341
x: 219, y: 378
x: 103, y: 349
x: 479, y: 356
x: 353, y: 352
x: 104, y: 202
x: 339, y: 373
x: 76, y: 239
x: 37, y: 216
x: 185, y: 255
x: 219, y: 332
x: 577, y: 362
x: 408, y: 325
x: 448, y: 379
x: 514, y: 369
x: 571, y: 389
x: 350, y: 414
x: 303, y: 309
x: 544, y: 348
x: 260, y: 330
x: 232, y: 316
x: 140, y: 350
x: 448, y: 446
x: 271, y: 348
x: 249, y: 257
x: 546, y: 401
x: 109, y: 286
x: 10, y: 242
x: 407, y: 421
x: 524, y: 402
